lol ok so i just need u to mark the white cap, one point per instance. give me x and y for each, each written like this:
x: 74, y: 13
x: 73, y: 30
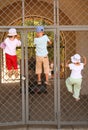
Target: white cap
x: 12, y: 32
x: 76, y: 58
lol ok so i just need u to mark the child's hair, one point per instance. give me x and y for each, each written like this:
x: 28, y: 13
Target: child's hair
x: 11, y: 36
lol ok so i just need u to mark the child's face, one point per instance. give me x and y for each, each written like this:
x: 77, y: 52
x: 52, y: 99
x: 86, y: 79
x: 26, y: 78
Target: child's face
x: 39, y: 34
x: 11, y: 38
x: 77, y: 63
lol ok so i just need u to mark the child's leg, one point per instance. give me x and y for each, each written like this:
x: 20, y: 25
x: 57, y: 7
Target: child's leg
x: 15, y: 66
x: 39, y: 78
x: 47, y: 77
x: 77, y: 88
x: 39, y: 68
x: 10, y: 73
x: 8, y: 64
x: 16, y: 73
x: 69, y: 84
x: 46, y: 67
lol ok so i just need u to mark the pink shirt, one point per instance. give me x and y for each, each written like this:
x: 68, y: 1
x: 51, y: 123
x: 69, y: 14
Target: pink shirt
x: 11, y: 46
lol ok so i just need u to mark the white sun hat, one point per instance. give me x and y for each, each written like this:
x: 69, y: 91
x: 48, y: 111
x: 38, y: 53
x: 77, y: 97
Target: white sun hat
x: 12, y: 32
x: 76, y: 58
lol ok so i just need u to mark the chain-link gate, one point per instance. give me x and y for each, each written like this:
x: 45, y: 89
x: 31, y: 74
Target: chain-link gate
x: 20, y: 101
x: 11, y: 96
x: 75, y: 39
x: 73, y: 112
x: 40, y: 99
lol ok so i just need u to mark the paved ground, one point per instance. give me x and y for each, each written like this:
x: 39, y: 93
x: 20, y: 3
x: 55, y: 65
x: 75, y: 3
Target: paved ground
x: 29, y: 128
x: 11, y: 106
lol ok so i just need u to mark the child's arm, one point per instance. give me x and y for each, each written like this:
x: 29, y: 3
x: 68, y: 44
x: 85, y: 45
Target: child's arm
x: 2, y: 45
x: 84, y: 58
x: 67, y: 63
x: 49, y: 42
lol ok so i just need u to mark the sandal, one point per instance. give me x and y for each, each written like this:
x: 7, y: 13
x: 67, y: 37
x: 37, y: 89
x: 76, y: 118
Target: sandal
x: 39, y: 82
x: 47, y: 83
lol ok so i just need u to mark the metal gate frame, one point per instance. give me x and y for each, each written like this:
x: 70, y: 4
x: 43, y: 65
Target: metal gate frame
x: 67, y: 28
x: 21, y: 122
x: 57, y: 28
x: 25, y: 120
x: 55, y: 86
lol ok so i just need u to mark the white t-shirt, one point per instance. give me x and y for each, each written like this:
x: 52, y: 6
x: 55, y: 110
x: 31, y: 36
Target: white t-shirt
x: 76, y: 70
x: 11, y: 46
x: 41, y: 45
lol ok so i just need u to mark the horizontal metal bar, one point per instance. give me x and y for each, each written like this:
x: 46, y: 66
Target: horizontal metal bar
x: 60, y: 27
x: 74, y: 123
x: 24, y: 28
x: 43, y: 122
x: 12, y: 123
x: 74, y: 28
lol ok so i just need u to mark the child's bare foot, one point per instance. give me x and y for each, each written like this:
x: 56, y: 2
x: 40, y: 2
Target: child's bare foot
x: 77, y: 99
x: 16, y: 73
x: 10, y: 73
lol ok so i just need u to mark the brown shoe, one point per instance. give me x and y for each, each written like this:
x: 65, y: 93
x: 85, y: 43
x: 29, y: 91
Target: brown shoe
x: 47, y: 83
x: 39, y: 82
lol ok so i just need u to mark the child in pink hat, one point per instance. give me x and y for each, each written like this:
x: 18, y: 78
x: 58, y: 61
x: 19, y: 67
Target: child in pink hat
x: 9, y: 45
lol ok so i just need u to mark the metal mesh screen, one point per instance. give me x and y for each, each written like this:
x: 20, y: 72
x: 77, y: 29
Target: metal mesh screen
x: 40, y: 9
x: 10, y: 95
x: 40, y: 97
x: 10, y: 11
x: 15, y: 12
x: 70, y: 109
x: 29, y: 13
x: 73, y: 12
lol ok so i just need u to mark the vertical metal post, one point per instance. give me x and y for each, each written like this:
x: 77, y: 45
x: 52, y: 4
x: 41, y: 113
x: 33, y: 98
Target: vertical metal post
x: 22, y: 76
x: 58, y: 13
x: 58, y: 64
x: 23, y: 12
x: 26, y: 75
x: 55, y: 83
x: 54, y: 12
x: 23, y: 85
x: 57, y: 61
x: 58, y: 79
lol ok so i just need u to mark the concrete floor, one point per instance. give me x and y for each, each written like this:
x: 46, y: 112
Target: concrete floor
x: 29, y: 128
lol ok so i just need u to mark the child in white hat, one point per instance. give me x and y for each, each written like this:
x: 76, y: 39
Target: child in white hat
x: 9, y: 45
x: 73, y: 83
